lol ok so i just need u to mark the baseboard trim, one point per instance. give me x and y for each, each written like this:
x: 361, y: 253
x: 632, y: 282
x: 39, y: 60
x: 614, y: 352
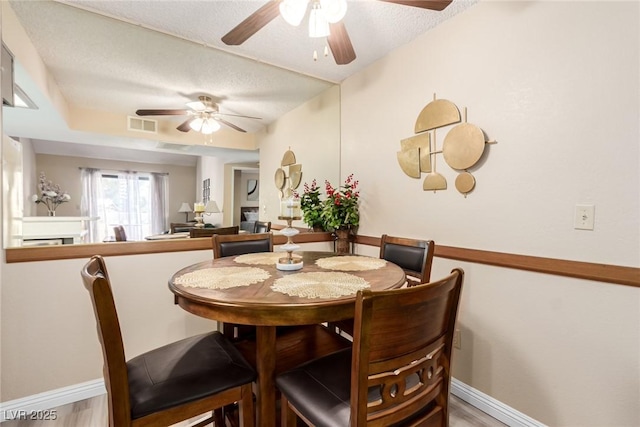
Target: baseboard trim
x: 77, y: 392
x: 491, y: 406
x: 51, y: 399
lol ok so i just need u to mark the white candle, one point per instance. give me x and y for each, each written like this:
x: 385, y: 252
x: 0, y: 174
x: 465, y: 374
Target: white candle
x: 290, y: 208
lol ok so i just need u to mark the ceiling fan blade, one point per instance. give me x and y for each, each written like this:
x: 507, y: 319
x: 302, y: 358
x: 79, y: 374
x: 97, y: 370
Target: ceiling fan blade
x: 238, y: 115
x: 161, y: 112
x: 423, y: 4
x: 184, y: 127
x: 231, y: 125
x: 252, y: 24
x: 340, y: 44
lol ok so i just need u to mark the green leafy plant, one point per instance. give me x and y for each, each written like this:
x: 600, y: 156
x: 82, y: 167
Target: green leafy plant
x: 340, y: 208
x: 311, y: 206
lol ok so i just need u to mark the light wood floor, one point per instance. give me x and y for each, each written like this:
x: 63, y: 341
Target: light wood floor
x: 93, y: 413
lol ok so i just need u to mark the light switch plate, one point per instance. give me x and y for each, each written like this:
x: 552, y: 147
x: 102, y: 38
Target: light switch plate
x: 584, y: 217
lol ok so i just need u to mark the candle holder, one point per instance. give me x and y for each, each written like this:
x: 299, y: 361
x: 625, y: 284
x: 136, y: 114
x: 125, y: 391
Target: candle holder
x: 198, y: 210
x: 289, y: 263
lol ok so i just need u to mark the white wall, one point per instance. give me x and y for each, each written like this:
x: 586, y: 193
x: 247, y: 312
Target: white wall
x: 212, y: 168
x: 557, y: 85
x: 48, y: 328
x: 312, y: 132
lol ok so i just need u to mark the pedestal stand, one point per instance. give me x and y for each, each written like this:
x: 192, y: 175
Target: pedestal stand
x: 289, y: 263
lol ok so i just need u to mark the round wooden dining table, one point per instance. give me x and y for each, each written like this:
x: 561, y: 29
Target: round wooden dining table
x: 265, y: 304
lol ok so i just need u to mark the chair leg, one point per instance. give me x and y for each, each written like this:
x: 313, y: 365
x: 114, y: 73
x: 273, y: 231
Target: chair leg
x: 288, y: 418
x: 246, y: 410
x: 218, y: 417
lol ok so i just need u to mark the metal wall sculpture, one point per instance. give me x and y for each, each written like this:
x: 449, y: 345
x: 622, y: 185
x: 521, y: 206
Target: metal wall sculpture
x: 462, y: 148
x: 286, y: 183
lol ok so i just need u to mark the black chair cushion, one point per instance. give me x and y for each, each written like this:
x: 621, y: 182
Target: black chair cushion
x: 185, y: 371
x: 407, y: 257
x: 240, y: 248
x: 320, y: 389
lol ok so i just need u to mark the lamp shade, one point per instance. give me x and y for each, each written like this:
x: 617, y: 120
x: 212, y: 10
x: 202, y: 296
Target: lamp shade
x: 196, y: 124
x: 334, y: 10
x: 318, y: 24
x: 293, y: 11
x: 185, y: 208
x: 209, y: 126
x: 211, y: 207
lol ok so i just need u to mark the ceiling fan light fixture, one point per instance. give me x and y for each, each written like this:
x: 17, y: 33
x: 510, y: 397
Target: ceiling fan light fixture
x: 334, y: 10
x: 293, y: 11
x: 318, y: 24
x: 196, y: 105
x: 196, y: 124
x: 209, y: 126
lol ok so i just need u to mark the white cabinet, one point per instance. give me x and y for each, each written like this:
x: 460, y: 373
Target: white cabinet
x: 54, y: 229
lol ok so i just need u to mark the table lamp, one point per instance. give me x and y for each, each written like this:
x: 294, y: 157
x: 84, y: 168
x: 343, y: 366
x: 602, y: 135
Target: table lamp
x: 185, y: 208
x: 211, y: 207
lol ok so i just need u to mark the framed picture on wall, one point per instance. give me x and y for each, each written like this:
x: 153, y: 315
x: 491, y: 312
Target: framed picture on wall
x: 206, y: 190
x: 252, y: 190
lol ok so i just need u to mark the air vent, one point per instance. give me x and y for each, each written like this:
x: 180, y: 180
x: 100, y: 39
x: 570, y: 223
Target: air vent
x: 142, y: 125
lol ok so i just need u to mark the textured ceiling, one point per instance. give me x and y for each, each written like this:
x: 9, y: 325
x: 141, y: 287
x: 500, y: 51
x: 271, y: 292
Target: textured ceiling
x: 119, y: 56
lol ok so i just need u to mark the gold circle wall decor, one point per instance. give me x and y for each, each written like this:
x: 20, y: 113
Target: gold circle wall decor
x: 285, y: 182
x: 465, y: 182
x: 462, y: 148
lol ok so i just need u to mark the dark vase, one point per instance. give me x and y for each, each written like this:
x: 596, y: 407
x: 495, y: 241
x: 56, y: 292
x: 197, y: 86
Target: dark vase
x: 317, y: 228
x: 343, y: 241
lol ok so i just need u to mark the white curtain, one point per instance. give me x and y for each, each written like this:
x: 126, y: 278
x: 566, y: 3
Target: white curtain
x: 135, y: 200
x: 129, y: 212
x: 91, y: 203
x: 159, y: 203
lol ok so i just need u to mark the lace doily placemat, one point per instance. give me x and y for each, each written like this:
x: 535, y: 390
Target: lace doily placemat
x: 223, y: 277
x: 262, y: 258
x: 350, y: 263
x: 320, y: 285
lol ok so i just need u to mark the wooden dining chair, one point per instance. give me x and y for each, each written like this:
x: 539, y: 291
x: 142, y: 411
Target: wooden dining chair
x: 239, y: 244
x: 262, y: 226
x: 398, y: 371
x: 119, y: 233
x: 208, y: 232
x: 413, y: 256
x: 172, y: 383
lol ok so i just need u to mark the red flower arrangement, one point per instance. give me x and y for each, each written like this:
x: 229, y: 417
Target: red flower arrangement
x: 340, y: 209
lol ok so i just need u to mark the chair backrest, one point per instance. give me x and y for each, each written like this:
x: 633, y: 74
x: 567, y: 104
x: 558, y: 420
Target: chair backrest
x: 402, y: 352
x: 180, y: 227
x: 119, y: 233
x: 413, y: 256
x: 96, y: 280
x: 229, y: 245
x: 262, y: 227
x: 208, y: 232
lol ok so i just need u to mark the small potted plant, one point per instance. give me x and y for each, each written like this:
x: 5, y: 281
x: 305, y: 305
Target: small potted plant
x: 311, y: 206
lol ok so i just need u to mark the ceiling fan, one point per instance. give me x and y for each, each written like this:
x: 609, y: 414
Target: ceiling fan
x: 204, y: 115
x: 338, y: 38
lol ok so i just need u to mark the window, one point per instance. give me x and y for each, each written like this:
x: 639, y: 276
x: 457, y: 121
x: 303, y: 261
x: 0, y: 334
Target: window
x: 135, y: 200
